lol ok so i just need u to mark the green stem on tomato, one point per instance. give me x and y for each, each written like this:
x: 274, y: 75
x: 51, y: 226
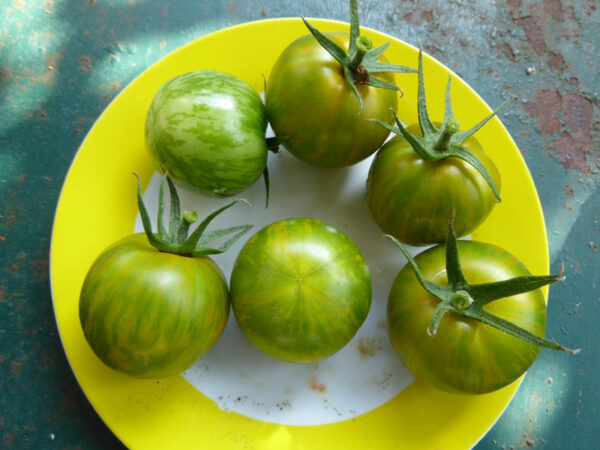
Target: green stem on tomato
x: 450, y: 129
x: 435, y: 143
x: 361, y: 59
x: 464, y: 299
x: 363, y: 45
x: 176, y: 240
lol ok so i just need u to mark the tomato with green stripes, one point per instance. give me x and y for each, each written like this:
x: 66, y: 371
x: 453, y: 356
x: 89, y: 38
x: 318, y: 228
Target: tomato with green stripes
x: 429, y: 172
x: 206, y: 129
x: 323, y: 91
x: 152, y: 304
x: 412, y: 198
x: 300, y: 290
x: 149, y: 313
x: 465, y: 355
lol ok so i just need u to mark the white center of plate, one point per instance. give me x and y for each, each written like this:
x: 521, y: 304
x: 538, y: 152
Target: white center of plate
x: 363, y: 375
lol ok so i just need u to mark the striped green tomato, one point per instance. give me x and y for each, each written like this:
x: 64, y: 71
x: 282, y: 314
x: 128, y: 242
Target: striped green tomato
x: 300, y: 290
x: 207, y: 130
x: 464, y: 356
x: 316, y: 115
x: 413, y: 199
x: 151, y: 314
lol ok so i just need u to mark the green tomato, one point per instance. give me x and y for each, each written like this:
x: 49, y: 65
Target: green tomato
x: 465, y: 355
x: 300, y: 290
x: 206, y: 129
x: 413, y: 199
x: 314, y: 112
x: 152, y: 314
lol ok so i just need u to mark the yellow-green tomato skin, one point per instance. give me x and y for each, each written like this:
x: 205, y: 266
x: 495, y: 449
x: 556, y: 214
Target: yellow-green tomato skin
x: 150, y: 314
x: 300, y: 290
x: 413, y: 199
x: 465, y: 356
x: 206, y: 129
x: 314, y: 112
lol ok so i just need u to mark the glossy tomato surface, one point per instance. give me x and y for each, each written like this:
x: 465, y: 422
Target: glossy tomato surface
x: 300, y: 289
x: 151, y: 314
x: 207, y: 130
x: 314, y: 112
x: 413, y: 199
x: 465, y: 356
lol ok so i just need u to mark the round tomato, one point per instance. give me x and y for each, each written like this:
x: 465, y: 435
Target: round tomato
x: 154, y: 303
x: 323, y: 89
x: 207, y: 130
x: 429, y: 172
x: 300, y: 290
x: 149, y: 313
x: 316, y: 115
x: 462, y: 354
x: 412, y: 198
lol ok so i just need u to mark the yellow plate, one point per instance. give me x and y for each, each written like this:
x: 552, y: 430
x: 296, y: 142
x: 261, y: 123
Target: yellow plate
x: 96, y: 208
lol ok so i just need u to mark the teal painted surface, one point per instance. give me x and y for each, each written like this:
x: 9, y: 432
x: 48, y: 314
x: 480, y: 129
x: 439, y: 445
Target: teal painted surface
x: 62, y: 61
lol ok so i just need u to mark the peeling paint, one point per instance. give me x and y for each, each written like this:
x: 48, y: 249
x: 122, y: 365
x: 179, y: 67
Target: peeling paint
x: 554, y: 8
x: 572, y: 152
x: 556, y: 60
x: 533, y: 33
x: 546, y: 107
x: 508, y: 51
x: 579, y: 111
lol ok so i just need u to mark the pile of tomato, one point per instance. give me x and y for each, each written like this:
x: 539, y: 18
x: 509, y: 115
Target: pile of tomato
x: 466, y: 316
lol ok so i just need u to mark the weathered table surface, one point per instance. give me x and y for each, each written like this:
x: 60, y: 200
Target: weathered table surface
x: 62, y: 61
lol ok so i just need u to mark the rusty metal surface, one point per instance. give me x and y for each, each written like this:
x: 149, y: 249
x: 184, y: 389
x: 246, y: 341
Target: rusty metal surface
x: 62, y: 61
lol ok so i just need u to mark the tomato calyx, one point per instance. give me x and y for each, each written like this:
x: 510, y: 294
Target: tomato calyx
x: 436, y: 143
x: 463, y: 298
x: 176, y: 240
x: 361, y: 60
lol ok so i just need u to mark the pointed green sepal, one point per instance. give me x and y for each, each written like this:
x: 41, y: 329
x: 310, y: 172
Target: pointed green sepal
x: 175, y: 212
x: 353, y: 88
x: 444, y: 142
x: 440, y: 292
x: 439, y: 312
x: 416, y: 142
x: 218, y: 234
x: 155, y: 241
x: 338, y: 53
x: 427, y: 126
x: 379, y: 67
x: 465, y: 299
x: 488, y: 292
x: 239, y: 232
x: 470, y: 158
x: 448, y: 109
x: 462, y: 136
x: 206, y: 251
x: 378, y: 83
x: 162, y: 231
x: 501, y: 324
x: 377, y: 53
x: 177, y: 241
x: 360, y: 58
x: 189, y: 245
